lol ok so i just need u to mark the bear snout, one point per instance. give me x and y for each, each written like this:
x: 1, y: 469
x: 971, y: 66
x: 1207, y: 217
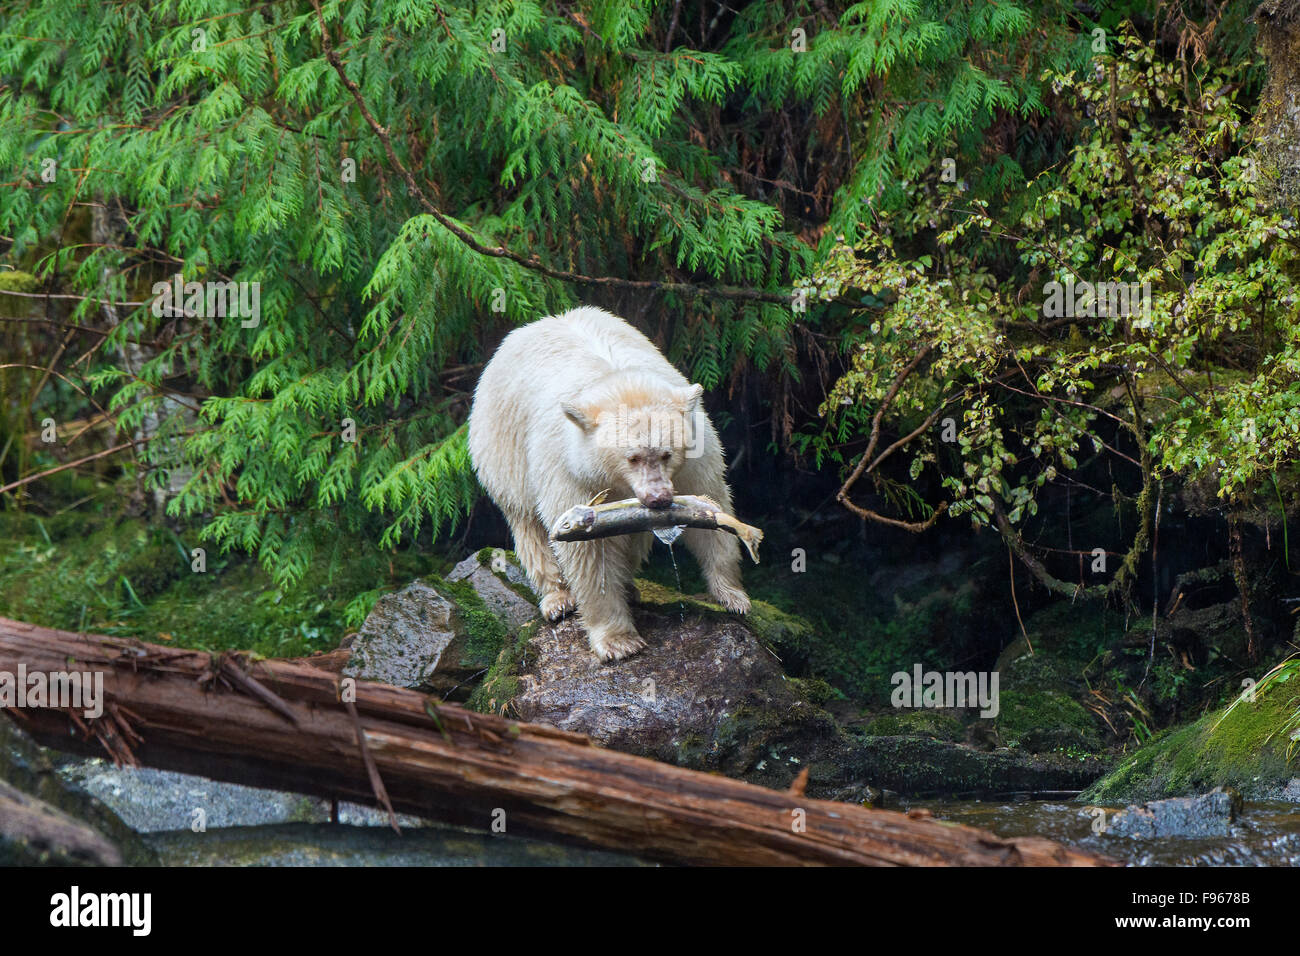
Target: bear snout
x: 657, y: 497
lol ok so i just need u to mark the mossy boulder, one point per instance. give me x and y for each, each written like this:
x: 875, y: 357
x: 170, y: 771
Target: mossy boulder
x: 705, y: 693
x: 33, y: 833
x: 1245, y: 748
x: 443, y: 635
x: 1040, y: 688
x: 1046, y: 720
x: 405, y: 637
x: 922, y: 766
x: 500, y: 583
x: 501, y: 683
x: 15, y: 280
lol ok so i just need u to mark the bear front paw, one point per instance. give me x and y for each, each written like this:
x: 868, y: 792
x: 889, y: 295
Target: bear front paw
x: 615, y: 647
x: 557, y: 604
x: 733, y: 599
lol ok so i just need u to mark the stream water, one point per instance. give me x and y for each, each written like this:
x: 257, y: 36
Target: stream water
x: 1266, y: 834
x: 669, y: 536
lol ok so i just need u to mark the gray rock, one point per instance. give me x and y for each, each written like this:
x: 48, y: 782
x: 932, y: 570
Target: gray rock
x: 929, y: 768
x: 1291, y: 792
x: 501, y: 583
x: 441, y: 636
x: 151, y: 800
x: 404, y: 638
x: 687, y: 698
x: 31, y: 769
x: 33, y: 833
x: 705, y: 693
x: 1208, y: 815
x: 302, y: 844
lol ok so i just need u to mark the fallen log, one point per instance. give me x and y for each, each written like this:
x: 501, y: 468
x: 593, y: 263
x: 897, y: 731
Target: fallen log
x: 281, y: 724
x: 629, y: 516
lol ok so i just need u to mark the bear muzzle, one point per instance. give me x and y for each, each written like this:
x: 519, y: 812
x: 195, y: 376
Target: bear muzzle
x: 658, y: 495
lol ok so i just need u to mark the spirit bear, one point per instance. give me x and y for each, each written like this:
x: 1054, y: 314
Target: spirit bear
x: 580, y: 403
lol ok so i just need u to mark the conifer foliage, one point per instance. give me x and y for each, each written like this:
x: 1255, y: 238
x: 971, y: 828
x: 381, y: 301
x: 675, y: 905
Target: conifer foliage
x: 403, y: 180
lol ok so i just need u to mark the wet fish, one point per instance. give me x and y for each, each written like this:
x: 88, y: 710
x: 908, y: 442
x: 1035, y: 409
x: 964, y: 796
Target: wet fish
x: 601, y: 520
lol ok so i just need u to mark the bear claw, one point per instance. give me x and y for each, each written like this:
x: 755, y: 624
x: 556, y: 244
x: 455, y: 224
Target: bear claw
x: 615, y: 647
x: 733, y: 599
x: 557, y: 604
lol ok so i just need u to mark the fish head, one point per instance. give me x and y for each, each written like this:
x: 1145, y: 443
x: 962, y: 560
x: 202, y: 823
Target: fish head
x: 574, y: 520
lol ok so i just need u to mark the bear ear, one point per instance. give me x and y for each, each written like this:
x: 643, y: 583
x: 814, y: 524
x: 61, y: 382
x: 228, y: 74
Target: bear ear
x: 576, y: 415
x: 689, y: 397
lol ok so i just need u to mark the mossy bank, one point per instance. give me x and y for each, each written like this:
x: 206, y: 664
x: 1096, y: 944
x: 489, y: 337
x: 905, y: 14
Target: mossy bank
x: 1249, y: 746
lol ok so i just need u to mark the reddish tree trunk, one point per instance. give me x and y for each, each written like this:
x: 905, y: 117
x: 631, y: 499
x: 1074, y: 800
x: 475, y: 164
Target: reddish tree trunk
x: 281, y: 724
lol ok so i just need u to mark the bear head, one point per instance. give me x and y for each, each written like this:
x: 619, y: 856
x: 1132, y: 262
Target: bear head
x: 635, y: 436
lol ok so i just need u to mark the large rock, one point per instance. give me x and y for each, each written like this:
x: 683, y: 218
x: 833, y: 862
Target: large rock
x: 921, y: 766
x: 304, y: 844
x: 1246, y: 749
x: 440, y: 635
x: 404, y: 638
x: 1209, y: 815
x: 33, y: 833
x: 150, y: 800
x: 704, y: 692
x: 708, y: 694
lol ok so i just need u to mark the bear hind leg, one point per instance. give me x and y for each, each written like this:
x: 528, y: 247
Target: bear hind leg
x: 718, y: 555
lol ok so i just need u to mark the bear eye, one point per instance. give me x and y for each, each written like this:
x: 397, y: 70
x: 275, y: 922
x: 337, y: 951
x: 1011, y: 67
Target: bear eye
x: 634, y: 459
x: 665, y: 456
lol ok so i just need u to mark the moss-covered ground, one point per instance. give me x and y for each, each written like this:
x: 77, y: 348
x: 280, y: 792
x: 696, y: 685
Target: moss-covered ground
x: 121, y: 576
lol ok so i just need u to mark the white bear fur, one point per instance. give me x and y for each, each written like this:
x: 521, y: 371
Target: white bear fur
x: 536, y: 462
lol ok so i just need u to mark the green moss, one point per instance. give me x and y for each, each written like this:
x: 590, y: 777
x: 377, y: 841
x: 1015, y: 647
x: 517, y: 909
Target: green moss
x: 523, y: 590
x: 767, y: 742
x: 1045, y: 720
x: 15, y: 280
x: 814, y: 690
x: 501, y: 684
x: 485, y: 634
x: 127, y: 578
x: 1247, y: 750
x: 1041, y: 670
x: 1071, y: 632
x: 778, y: 628
x: 654, y: 593
x: 916, y: 723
